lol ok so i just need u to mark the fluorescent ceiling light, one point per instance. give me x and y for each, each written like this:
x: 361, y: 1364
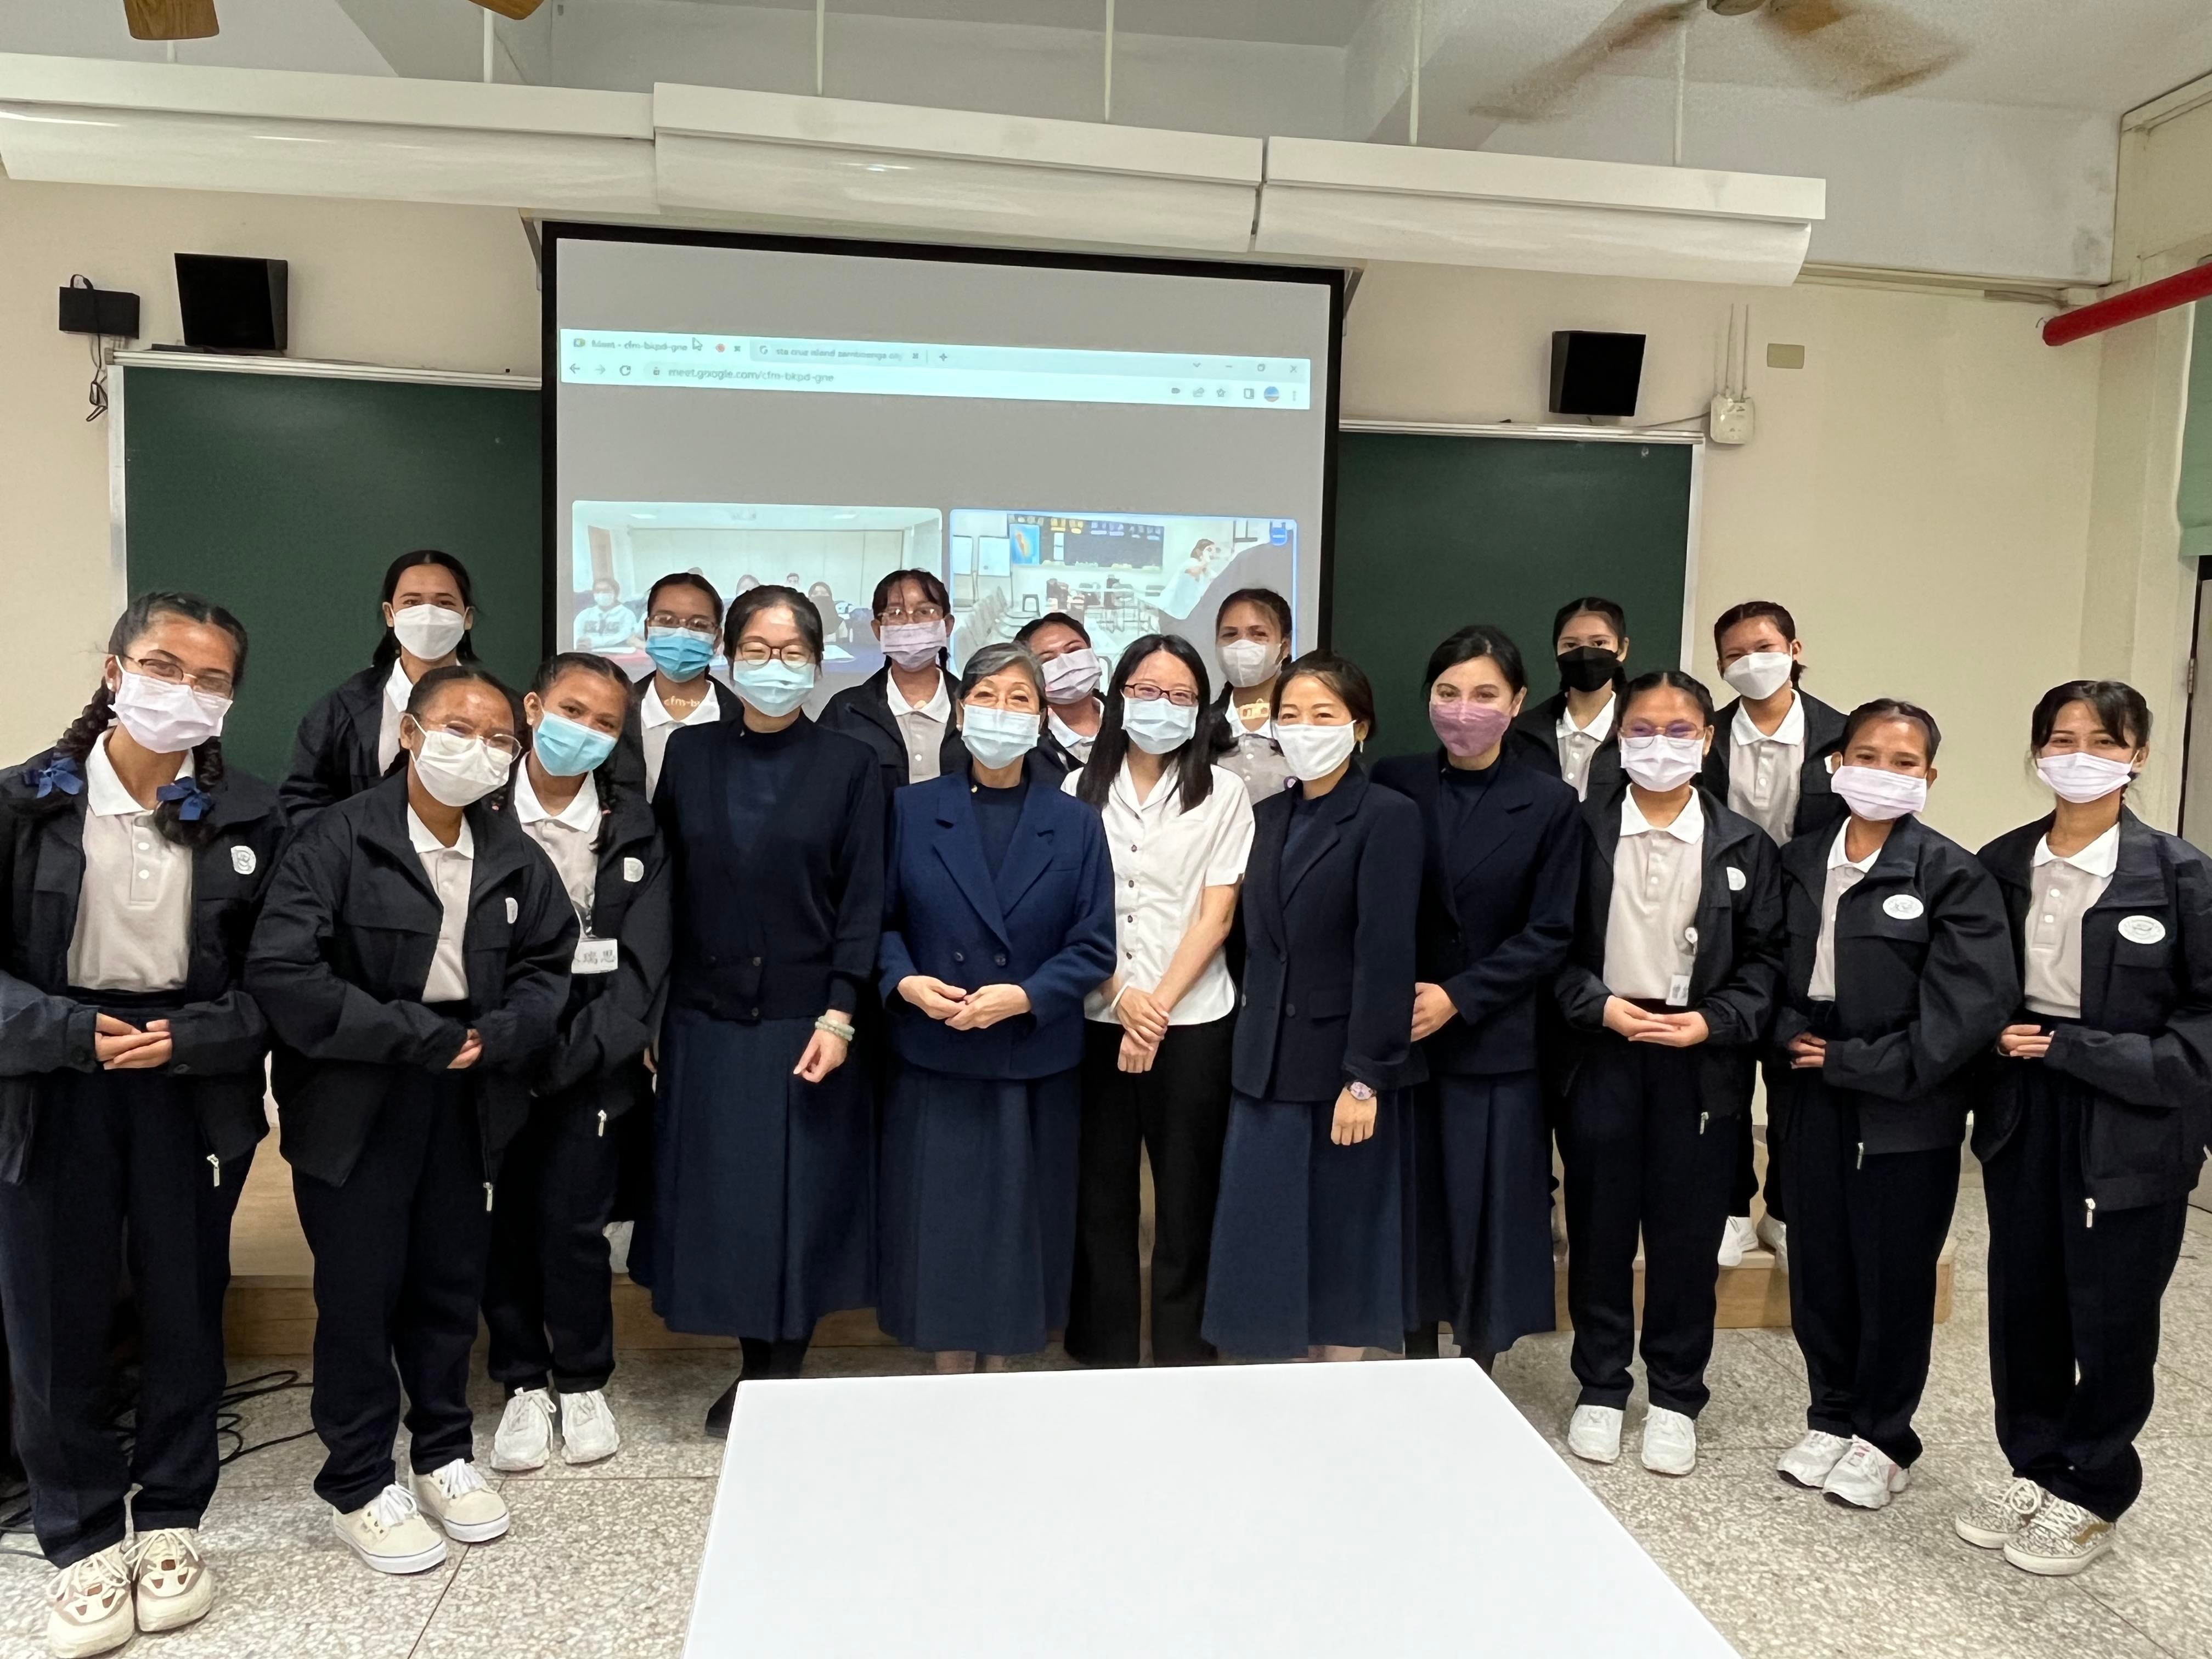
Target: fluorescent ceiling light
x: 189, y: 127
x: 1534, y: 212
x: 777, y: 156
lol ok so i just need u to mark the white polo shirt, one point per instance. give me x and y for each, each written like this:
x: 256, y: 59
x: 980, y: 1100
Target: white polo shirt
x: 1077, y: 744
x: 397, y: 688
x: 922, y: 728
x: 451, y: 869
x: 655, y: 723
x: 1764, y: 770
x: 1845, y: 872
x: 1578, y: 742
x: 1658, y: 875
x: 2063, y: 891
x: 568, y: 836
x: 1164, y: 859
x: 134, y: 906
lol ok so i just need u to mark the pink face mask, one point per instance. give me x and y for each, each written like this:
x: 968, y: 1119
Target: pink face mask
x: 1468, y: 729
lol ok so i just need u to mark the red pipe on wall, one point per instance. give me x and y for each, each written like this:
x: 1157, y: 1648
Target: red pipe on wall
x: 2150, y: 299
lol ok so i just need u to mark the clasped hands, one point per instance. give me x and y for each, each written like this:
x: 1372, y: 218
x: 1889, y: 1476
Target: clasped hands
x: 1683, y: 1031
x: 964, y: 1011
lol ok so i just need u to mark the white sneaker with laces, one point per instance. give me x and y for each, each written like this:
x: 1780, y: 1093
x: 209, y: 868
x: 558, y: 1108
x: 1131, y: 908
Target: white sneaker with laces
x: 588, y: 1434
x: 175, y: 1585
x: 89, y: 1605
x: 1866, y: 1478
x: 524, y: 1439
x: 1593, y: 1433
x: 1670, y: 1442
x: 1775, y: 1234
x: 2063, y: 1539
x: 389, y: 1533
x: 2000, y: 1514
x: 1808, y: 1463
x: 456, y: 1497
x: 1736, y: 1238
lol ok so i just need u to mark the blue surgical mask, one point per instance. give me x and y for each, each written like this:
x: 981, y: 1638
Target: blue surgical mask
x: 772, y: 687
x: 999, y: 737
x: 566, y: 748
x: 678, y: 652
x: 1157, y: 726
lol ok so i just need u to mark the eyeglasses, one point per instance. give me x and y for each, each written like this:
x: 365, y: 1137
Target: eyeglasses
x: 501, y: 743
x: 688, y: 625
x: 920, y: 613
x: 170, y: 672
x: 1180, y: 698
x: 758, y: 652
x: 1681, y: 730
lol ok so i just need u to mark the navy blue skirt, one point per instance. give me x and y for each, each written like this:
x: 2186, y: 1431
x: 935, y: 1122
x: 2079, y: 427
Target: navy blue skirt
x: 1482, y: 1159
x: 978, y: 1217
x: 1313, y: 1243
x: 764, y: 1196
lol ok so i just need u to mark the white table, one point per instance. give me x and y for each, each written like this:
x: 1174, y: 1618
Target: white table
x: 1379, y: 1508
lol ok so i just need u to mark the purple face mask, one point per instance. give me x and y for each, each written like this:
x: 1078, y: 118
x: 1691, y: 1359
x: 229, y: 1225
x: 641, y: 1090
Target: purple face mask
x: 1468, y: 729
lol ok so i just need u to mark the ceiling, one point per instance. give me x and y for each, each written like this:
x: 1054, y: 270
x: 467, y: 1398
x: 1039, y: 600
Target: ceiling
x: 1286, y: 22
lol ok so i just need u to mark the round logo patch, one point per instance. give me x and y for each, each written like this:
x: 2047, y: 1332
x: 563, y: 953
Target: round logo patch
x: 1737, y: 880
x: 241, y: 860
x: 1903, y: 906
x: 2142, y: 930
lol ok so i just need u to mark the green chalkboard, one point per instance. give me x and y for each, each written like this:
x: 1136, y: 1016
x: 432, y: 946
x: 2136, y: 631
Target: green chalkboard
x: 1438, y: 530
x: 285, y: 496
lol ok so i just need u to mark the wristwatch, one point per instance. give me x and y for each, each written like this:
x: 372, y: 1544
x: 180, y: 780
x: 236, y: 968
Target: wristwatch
x: 1359, y: 1090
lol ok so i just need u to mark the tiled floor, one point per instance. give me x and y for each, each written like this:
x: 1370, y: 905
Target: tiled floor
x: 600, y: 1560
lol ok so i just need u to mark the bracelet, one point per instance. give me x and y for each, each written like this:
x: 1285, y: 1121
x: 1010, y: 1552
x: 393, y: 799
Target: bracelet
x: 836, y: 1028
x: 1118, y: 995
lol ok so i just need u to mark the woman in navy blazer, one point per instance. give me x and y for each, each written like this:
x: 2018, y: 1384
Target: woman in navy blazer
x: 1502, y: 865
x: 1312, y: 1252
x: 998, y: 920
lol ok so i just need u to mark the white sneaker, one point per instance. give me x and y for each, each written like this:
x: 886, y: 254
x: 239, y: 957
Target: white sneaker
x: 1593, y: 1433
x: 1775, y: 1234
x: 1865, y: 1478
x: 1670, y: 1442
x: 389, y: 1533
x: 175, y: 1587
x: 1736, y: 1238
x: 588, y: 1434
x: 524, y: 1439
x: 2061, y: 1539
x: 1808, y: 1462
x: 2000, y: 1514
x: 88, y: 1605
x: 456, y: 1497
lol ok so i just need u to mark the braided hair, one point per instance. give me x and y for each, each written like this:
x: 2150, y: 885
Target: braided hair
x: 604, y: 776
x: 76, y: 742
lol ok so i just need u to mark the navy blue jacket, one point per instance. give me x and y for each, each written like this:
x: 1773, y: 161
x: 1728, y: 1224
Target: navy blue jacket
x: 1329, y: 962
x: 1534, y: 740
x: 1497, y: 918
x: 334, y: 753
x: 864, y: 711
x: 628, y: 758
x: 1819, y: 806
x: 1045, y: 923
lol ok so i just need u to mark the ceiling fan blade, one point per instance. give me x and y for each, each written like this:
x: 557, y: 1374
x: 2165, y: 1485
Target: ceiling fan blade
x: 517, y: 9
x: 1542, y: 92
x: 1858, y: 50
x: 170, y: 19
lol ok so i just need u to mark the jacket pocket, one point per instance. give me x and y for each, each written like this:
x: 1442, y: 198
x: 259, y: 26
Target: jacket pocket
x: 1326, y: 1002
x: 2136, y: 1144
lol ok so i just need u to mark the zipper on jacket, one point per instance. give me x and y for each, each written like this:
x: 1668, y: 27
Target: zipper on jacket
x: 603, y: 1125
x: 487, y: 1198
x: 2089, y: 1213
x: 1860, y: 1164
x: 1704, y: 1118
x: 215, y: 1168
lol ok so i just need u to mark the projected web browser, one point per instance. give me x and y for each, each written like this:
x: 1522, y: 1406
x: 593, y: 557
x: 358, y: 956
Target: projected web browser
x: 906, y: 368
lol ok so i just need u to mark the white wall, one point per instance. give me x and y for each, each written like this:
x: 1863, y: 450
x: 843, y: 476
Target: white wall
x: 280, y: 34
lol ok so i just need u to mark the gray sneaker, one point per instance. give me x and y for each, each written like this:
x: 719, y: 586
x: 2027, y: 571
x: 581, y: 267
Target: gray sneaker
x: 2063, y: 1539
x: 2000, y: 1514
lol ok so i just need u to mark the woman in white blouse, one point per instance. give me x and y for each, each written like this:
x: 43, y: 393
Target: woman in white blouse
x: 1159, y: 1033
x: 2093, y: 1130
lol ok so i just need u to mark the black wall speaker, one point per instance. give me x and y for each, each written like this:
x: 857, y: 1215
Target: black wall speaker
x: 1595, y: 374
x: 231, y: 304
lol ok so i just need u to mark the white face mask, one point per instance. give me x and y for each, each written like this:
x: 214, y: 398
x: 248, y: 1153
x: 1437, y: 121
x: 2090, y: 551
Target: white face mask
x: 999, y: 737
x: 1662, y: 763
x: 1314, y: 751
x: 1072, y: 676
x: 1760, y: 675
x: 167, y: 717
x: 1248, y: 663
x: 457, y: 770
x: 429, y: 631
x: 2081, y: 777
x: 1880, y: 795
x: 914, y: 646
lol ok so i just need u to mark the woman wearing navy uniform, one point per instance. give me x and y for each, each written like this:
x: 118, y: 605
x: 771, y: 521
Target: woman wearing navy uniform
x: 549, y: 1291
x: 2092, y: 1131
x: 1312, y: 1239
x: 412, y: 958
x: 1073, y: 712
x: 131, y: 862
x: 1502, y: 861
x: 347, y: 741
x: 997, y: 922
x: 903, y: 711
x: 1574, y: 734
x: 1898, y: 976
x: 1669, y: 991
x: 764, y: 1202
x: 682, y: 626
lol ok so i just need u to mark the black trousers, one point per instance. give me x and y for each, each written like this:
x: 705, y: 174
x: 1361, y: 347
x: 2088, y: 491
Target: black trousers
x: 2073, y: 1308
x: 1177, y: 1113
x: 1746, y: 1187
x: 399, y: 1270
x: 1864, y: 1238
x: 1642, y: 1156
x: 118, y: 1172
x: 549, y: 1293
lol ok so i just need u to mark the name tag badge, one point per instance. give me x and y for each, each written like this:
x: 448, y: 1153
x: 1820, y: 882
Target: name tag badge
x: 595, y: 956
x: 241, y: 860
x: 633, y: 869
x: 1737, y: 880
x: 2142, y: 930
x: 1678, y: 991
x: 513, y: 911
x: 1905, y: 906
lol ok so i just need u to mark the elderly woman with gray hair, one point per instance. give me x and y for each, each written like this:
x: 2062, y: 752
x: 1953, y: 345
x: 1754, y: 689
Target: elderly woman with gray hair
x: 998, y: 920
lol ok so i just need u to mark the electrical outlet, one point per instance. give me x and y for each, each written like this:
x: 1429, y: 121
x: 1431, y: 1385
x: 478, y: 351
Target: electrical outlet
x: 1731, y: 420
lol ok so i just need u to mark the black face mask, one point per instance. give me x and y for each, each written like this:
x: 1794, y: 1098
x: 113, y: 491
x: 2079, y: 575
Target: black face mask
x: 1586, y: 668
